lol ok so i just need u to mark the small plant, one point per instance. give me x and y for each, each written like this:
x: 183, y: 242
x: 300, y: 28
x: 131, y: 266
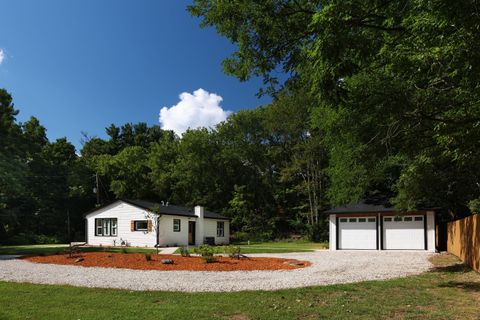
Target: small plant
x: 233, y: 251
x: 209, y: 259
x: 124, y: 250
x: 206, y: 252
x: 184, y: 252
x: 148, y: 257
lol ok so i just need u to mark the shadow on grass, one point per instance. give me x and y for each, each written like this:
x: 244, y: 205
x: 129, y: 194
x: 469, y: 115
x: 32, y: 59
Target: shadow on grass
x: 454, y: 268
x: 466, y: 285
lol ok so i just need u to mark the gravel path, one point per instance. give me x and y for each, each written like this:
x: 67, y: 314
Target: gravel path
x: 328, y: 267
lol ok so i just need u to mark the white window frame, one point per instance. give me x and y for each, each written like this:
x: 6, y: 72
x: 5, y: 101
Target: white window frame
x: 106, y: 227
x: 177, y: 225
x: 220, y: 229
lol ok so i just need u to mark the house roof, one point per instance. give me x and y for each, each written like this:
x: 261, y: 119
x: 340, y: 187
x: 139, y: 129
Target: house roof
x: 167, y: 209
x: 363, y: 206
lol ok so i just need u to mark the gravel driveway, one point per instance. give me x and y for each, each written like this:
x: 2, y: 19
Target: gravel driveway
x: 328, y: 267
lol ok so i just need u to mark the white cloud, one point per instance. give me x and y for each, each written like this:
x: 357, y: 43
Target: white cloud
x: 200, y: 109
x: 2, y: 56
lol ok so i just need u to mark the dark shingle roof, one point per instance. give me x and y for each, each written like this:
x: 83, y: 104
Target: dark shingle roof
x: 171, y: 209
x: 362, y: 207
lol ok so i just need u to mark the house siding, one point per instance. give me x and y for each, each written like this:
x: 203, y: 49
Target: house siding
x: 167, y: 237
x: 210, y: 230
x: 124, y: 213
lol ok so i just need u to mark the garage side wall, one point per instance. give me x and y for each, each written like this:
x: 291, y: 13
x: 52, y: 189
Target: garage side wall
x: 431, y: 231
x: 332, y: 243
x: 124, y: 213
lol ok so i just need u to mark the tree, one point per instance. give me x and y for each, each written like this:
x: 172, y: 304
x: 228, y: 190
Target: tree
x: 394, y: 83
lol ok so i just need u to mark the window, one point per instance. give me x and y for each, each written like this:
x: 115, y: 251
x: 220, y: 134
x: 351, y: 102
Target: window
x: 418, y: 218
x: 407, y: 219
x: 176, y: 225
x: 371, y: 220
x: 220, y: 229
x: 140, y: 225
x: 387, y: 219
x: 397, y: 218
x: 343, y: 220
x: 106, y: 227
x: 362, y: 219
x: 352, y: 220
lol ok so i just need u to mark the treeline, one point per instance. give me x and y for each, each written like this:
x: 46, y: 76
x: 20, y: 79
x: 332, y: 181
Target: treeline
x: 43, y: 184
x: 382, y: 101
x: 395, y: 87
x: 262, y: 167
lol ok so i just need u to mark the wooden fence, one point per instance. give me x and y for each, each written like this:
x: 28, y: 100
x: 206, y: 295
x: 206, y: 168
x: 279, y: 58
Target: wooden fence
x: 464, y: 240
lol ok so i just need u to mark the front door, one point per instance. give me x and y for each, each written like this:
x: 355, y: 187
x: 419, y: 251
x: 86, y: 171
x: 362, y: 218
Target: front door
x: 191, y: 232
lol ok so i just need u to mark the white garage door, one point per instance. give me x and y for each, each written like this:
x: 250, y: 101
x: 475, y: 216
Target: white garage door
x: 357, y: 233
x: 403, y: 232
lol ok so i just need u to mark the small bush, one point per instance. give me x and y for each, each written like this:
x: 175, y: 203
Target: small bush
x: 184, y: 252
x: 206, y: 252
x: 209, y: 259
x: 148, y: 257
x: 233, y: 251
x: 124, y: 250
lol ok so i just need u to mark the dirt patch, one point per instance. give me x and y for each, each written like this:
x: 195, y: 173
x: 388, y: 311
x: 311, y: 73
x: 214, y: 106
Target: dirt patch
x: 140, y: 262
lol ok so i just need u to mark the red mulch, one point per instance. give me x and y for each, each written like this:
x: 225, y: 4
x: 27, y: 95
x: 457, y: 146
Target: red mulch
x: 138, y: 261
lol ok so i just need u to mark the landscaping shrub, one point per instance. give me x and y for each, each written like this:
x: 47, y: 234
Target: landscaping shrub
x: 148, y: 257
x: 184, y: 252
x: 206, y: 252
x: 209, y: 259
x: 233, y: 251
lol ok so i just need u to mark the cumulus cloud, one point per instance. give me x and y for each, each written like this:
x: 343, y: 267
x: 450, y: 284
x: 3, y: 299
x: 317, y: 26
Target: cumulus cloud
x: 2, y: 56
x: 200, y: 109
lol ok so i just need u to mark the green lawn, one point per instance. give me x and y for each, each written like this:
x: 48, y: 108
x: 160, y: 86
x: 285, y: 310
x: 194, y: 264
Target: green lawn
x: 57, y: 248
x: 276, y: 247
x: 450, y: 292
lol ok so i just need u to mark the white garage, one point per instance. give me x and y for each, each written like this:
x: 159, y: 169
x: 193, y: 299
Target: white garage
x: 368, y: 226
x: 357, y: 233
x: 407, y: 232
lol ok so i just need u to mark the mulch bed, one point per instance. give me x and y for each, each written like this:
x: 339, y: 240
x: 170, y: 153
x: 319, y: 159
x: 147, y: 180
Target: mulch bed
x: 194, y: 263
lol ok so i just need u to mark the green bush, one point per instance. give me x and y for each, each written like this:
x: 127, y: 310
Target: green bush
x: 184, y: 252
x: 233, y: 251
x: 206, y: 252
x: 43, y: 239
x: 209, y: 259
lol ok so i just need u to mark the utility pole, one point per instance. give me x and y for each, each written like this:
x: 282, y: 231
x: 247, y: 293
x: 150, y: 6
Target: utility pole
x: 97, y: 189
x: 68, y: 226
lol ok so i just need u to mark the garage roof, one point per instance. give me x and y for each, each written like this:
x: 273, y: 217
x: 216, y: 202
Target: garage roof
x: 364, y: 206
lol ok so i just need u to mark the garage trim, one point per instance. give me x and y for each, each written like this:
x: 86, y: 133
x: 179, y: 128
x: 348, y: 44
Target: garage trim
x: 401, y: 242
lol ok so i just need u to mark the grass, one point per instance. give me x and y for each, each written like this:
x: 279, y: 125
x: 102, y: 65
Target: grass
x: 275, y: 247
x: 449, y: 292
x: 60, y: 248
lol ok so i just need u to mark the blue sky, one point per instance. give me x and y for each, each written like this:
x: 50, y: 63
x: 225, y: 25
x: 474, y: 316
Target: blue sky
x: 81, y: 65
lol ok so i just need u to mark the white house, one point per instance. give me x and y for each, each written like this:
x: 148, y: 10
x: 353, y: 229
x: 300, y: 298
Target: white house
x: 377, y: 227
x: 142, y: 223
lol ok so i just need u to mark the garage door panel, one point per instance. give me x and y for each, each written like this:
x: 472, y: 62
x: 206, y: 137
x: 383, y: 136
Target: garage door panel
x: 403, y: 233
x: 357, y: 235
